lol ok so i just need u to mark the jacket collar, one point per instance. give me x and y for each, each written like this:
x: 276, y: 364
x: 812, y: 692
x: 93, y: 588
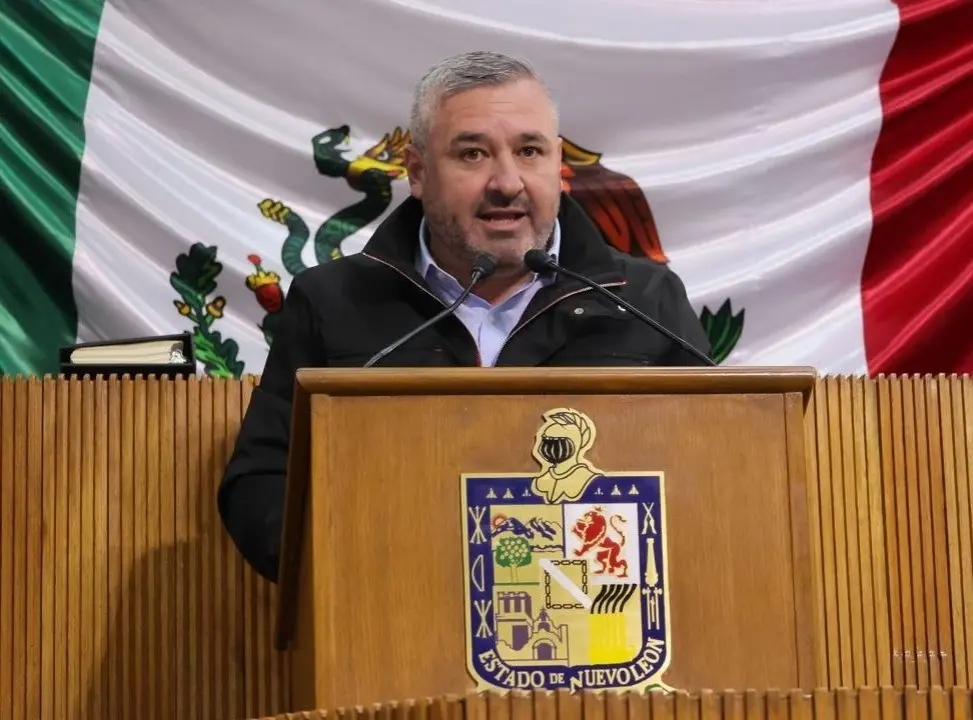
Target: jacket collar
x: 583, y: 248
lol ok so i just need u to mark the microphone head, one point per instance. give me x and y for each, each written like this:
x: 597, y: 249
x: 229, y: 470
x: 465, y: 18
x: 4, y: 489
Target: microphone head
x: 537, y: 260
x: 484, y: 265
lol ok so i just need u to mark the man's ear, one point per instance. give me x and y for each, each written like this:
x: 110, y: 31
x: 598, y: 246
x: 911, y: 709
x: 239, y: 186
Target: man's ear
x: 415, y: 168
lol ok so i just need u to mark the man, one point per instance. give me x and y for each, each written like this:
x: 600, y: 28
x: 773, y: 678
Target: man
x: 484, y: 173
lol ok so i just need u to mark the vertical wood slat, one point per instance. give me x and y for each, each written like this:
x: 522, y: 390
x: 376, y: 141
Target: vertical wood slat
x: 60, y: 525
x: 8, y: 501
x: 852, y: 510
x: 194, y: 549
x: 863, y: 523
x: 843, y: 609
x: 206, y: 512
x: 962, y: 393
x: 929, y: 652
x: 944, y: 643
x: 887, y: 443
x: 105, y: 587
x: 912, y: 441
x: 75, y: 442
x: 218, y: 550
x: 879, y: 551
x: 166, y: 564
x: 126, y: 644
x: 817, y: 552
x: 181, y: 583
x: 20, y: 589
x: 48, y: 438
x: 87, y: 693
x: 99, y: 578
x: 149, y: 517
x: 900, y: 481
x: 114, y: 542
x: 829, y: 590
x: 34, y: 474
x: 233, y: 569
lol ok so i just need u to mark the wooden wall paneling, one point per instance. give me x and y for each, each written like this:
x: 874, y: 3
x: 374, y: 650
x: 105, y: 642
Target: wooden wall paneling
x: 889, y: 703
x: 124, y: 597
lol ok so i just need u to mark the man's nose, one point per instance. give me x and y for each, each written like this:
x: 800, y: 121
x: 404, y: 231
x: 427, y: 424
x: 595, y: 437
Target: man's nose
x: 506, y: 178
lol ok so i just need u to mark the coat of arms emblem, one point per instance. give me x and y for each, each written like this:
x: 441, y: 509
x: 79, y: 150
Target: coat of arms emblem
x: 565, y: 570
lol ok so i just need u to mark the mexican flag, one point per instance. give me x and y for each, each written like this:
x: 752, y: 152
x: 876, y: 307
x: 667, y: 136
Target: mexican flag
x: 806, y: 167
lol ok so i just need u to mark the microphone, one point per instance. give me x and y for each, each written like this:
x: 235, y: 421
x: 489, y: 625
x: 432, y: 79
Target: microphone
x: 539, y: 261
x: 484, y: 266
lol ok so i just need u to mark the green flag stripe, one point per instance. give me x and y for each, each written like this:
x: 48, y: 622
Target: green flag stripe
x: 46, y: 58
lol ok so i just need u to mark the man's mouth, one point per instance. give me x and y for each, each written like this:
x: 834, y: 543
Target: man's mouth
x: 502, y: 218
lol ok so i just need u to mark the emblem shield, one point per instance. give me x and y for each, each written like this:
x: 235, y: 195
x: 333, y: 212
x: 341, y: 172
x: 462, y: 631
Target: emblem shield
x: 565, y: 571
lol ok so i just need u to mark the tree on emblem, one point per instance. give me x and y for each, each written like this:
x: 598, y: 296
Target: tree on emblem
x: 195, y: 280
x: 512, y: 553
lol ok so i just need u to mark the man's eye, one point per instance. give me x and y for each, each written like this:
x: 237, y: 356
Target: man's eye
x: 531, y: 151
x: 472, y: 154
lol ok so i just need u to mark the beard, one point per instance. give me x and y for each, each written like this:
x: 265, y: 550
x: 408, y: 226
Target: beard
x: 507, y: 246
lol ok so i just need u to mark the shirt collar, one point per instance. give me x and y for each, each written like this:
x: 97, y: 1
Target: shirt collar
x: 426, y: 265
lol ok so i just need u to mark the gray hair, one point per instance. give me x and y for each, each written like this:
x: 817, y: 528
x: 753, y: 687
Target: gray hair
x: 459, y: 73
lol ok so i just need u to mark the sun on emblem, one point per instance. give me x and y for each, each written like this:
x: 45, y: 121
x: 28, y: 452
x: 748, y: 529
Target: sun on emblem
x: 565, y: 570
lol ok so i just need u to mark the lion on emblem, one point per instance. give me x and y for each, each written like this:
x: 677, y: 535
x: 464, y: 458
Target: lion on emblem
x: 592, y: 529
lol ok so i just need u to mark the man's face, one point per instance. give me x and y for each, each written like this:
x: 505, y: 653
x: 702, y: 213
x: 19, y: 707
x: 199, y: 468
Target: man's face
x: 490, y: 179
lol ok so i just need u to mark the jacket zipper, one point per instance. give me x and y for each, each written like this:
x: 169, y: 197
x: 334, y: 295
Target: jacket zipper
x: 479, y: 360
x: 548, y: 307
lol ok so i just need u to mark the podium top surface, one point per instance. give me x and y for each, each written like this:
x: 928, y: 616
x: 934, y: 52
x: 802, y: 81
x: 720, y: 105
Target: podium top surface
x: 532, y: 380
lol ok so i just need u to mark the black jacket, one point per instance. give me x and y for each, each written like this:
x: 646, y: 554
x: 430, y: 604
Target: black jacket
x: 341, y: 313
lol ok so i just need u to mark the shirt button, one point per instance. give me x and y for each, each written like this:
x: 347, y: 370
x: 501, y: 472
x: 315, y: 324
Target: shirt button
x: 579, y: 311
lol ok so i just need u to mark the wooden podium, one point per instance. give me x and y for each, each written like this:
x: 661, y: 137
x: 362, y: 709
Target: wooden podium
x: 376, y: 558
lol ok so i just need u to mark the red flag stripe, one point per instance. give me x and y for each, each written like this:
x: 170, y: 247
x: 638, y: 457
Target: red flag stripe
x: 917, y: 280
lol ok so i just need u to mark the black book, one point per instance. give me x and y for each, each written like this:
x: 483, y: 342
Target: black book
x: 159, y: 355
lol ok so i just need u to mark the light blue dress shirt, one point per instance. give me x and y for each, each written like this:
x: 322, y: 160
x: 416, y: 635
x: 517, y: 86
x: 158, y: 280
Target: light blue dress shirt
x: 490, y: 325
